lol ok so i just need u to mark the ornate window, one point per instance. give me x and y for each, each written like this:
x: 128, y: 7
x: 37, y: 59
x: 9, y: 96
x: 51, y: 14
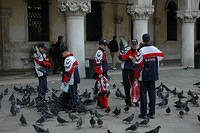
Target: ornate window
x: 38, y: 20
x: 94, y: 22
x: 171, y: 21
x: 198, y: 27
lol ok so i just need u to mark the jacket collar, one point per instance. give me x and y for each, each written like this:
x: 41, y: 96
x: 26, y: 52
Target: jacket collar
x: 102, y: 49
x: 146, y: 45
x: 69, y: 55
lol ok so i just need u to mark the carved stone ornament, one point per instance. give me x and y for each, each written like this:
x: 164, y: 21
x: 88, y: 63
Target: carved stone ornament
x: 75, y: 5
x: 140, y: 12
x: 188, y: 16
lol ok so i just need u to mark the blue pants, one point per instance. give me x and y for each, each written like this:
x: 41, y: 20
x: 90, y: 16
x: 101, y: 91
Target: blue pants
x: 42, y: 87
x: 150, y: 87
x: 73, y: 96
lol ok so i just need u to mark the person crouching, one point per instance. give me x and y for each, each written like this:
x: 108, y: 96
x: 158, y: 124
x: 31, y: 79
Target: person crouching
x: 70, y: 76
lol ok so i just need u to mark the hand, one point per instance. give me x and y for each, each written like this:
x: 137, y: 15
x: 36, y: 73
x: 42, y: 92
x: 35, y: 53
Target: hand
x: 65, y: 83
x: 131, y: 57
x: 47, y: 59
x: 100, y: 75
x: 61, y: 73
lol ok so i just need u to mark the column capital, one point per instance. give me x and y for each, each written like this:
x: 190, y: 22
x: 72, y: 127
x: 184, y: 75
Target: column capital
x: 138, y: 12
x: 5, y: 12
x: 118, y: 19
x: 75, y: 6
x: 188, y: 16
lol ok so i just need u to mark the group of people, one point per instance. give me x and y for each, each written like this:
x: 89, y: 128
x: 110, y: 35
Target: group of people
x: 139, y: 64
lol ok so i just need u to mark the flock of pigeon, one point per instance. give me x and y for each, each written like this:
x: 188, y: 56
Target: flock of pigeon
x: 49, y: 109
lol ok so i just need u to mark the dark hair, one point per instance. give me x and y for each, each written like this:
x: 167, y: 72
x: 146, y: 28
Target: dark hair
x: 60, y: 38
x: 114, y: 37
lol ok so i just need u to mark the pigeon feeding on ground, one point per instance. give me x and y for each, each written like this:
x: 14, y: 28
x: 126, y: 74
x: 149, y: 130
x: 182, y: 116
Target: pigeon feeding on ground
x: 126, y: 109
x: 92, y: 122
x: 98, y: 115
x: 168, y: 110
x: 23, y: 120
x: 117, y: 111
x: 72, y: 117
x: 40, y: 120
x: 79, y: 123
x: 40, y: 130
x: 145, y: 121
x: 108, y: 131
x: 198, y: 116
x: 156, y: 130
x: 61, y: 120
x: 129, y: 119
x: 99, y: 122
x: 181, y: 113
x: 13, y: 110
x: 119, y: 94
x: 6, y: 91
x: 133, y: 127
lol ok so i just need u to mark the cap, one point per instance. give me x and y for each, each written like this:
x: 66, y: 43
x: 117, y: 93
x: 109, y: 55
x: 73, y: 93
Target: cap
x: 64, y: 48
x: 134, y: 41
x: 104, y: 42
x: 43, y: 46
x: 146, y: 37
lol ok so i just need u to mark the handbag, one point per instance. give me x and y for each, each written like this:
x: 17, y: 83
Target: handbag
x: 64, y: 88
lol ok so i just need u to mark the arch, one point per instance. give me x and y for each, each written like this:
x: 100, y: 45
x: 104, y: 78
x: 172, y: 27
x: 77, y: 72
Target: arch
x: 168, y: 1
x: 171, y: 21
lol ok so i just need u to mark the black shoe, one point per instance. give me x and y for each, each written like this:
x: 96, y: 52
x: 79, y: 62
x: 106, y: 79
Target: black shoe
x: 151, y: 116
x: 129, y: 104
x: 142, y: 116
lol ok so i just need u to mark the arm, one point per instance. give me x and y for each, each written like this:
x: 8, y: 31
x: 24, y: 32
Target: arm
x: 69, y: 69
x: 124, y: 55
x: 40, y: 61
x: 98, y: 62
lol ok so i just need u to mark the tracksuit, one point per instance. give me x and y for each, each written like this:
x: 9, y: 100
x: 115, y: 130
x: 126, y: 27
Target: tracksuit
x: 149, y: 74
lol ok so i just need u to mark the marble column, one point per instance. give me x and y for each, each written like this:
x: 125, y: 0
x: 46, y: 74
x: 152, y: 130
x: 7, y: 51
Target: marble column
x: 75, y: 11
x: 118, y: 20
x: 140, y: 16
x: 4, y: 36
x: 188, y: 19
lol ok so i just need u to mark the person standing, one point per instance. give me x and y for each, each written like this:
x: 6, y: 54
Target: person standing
x: 114, y: 48
x: 56, y: 55
x: 42, y: 64
x: 100, y: 62
x: 130, y: 63
x: 70, y: 77
x: 151, y: 57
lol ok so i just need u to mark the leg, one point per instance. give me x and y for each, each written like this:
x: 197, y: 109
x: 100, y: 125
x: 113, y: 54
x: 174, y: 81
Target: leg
x: 152, y: 97
x: 143, y: 98
x: 112, y: 56
x: 42, y: 87
x: 73, y: 96
x: 126, y: 86
x: 114, y: 59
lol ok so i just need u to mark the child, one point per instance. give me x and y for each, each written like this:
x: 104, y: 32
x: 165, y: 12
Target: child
x: 70, y: 76
x: 41, y: 68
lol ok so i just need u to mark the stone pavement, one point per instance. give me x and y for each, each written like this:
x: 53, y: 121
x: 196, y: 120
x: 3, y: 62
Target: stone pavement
x: 171, y: 76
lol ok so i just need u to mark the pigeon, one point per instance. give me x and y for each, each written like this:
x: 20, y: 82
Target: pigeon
x: 41, y: 120
x: 23, y: 120
x: 118, y: 93
x: 72, y: 117
x: 181, y: 113
x: 145, y: 121
x: 108, y: 131
x: 156, y: 130
x: 0, y: 103
x: 100, y: 122
x: 198, y: 116
x: 31, y: 104
x: 19, y: 102
x: 92, y: 122
x: 180, y: 95
x: 108, y: 110
x: 98, y: 115
x: 5, y: 91
x: 163, y: 103
x: 1, y: 96
x: 187, y: 109
x: 126, y: 109
x: 129, y: 119
x: 198, y: 83
x: 61, y: 120
x: 117, y: 111
x: 13, y: 110
x: 79, y: 123
x: 174, y: 91
x: 12, y: 97
x: 40, y: 130
x: 168, y: 110
x: 114, y: 86
x: 133, y: 127
x: 91, y: 112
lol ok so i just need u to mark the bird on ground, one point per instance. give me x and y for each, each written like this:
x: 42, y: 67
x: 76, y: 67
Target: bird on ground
x: 61, y: 120
x: 23, y: 120
x: 1, y: 96
x: 126, y: 109
x: 40, y: 130
x: 92, y: 122
x: 108, y: 110
x: 12, y: 97
x: 13, y: 110
x: 181, y: 113
x: 145, y: 121
x: 5, y: 91
x: 98, y: 115
x: 174, y: 91
x: 133, y: 127
x: 72, y: 117
x: 129, y: 119
x: 108, y: 131
x: 117, y: 111
x: 198, y: 116
x: 91, y: 112
x: 0, y: 103
x: 198, y: 83
x: 163, y: 103
x: 187, y: 109
x: 99, y: 122
x: 168, y: 110
x: 114, y: 86
x: 79, y: 123
x: 156, y: 130
x: 119, y: 94
x: 40, y: 120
